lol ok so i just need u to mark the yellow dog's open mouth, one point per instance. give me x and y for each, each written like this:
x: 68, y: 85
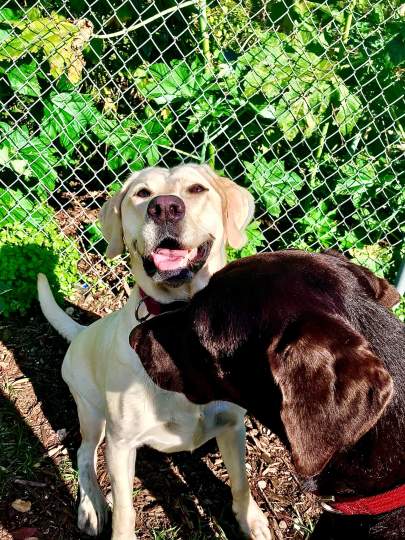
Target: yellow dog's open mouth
x: 173, y: 259
x: 172, y: 262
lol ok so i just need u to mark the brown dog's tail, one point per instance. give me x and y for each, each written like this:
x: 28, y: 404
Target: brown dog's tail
x: 67, y: 327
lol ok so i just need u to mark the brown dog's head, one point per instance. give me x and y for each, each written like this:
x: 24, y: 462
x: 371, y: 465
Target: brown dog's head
x: 275, y: 333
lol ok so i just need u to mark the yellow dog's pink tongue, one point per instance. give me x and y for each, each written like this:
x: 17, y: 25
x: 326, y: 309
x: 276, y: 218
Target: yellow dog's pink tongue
x: 170, y: 259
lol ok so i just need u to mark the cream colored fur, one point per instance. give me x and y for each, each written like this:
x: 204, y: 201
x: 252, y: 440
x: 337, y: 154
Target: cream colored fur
x: 114, y: 395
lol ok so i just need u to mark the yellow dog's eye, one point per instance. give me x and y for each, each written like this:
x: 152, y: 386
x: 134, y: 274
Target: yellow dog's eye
x: 144, y: 193
x: 197, y: 188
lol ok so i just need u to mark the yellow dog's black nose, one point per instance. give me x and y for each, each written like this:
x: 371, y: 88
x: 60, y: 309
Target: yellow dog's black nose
x: 166, y: 208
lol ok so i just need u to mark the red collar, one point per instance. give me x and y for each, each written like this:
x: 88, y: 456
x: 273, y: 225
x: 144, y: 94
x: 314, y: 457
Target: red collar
x: 153, y: 307
x: 374, y: 505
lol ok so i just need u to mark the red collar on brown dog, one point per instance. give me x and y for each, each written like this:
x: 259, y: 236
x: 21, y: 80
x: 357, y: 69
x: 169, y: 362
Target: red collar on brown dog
x: 374, y: 505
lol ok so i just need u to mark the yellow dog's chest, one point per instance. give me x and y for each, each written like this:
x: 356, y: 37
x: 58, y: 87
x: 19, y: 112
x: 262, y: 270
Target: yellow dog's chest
x: 188, y: 431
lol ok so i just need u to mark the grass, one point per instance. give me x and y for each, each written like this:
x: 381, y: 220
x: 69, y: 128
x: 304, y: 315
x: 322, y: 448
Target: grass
x: 305, y: 528
x: 174, y: 533
x: 20, y: 450
x: 168, y: 534
x: 69, y: 475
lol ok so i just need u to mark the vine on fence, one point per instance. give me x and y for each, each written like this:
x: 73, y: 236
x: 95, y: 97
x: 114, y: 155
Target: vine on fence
x: 302, y: 104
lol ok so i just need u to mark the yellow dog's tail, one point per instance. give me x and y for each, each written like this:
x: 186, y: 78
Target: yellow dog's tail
x: 67, y: 327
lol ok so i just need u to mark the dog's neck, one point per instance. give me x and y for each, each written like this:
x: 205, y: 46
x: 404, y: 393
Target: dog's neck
x: 372, y: 467
x: 388, y: 526
x: 376, y: 462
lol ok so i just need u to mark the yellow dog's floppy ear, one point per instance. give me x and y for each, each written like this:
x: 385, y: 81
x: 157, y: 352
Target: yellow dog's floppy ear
x: 111, y: 222
x: 238, y: 208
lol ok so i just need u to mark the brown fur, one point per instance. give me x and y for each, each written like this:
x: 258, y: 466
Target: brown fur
x: 305, y: 342
x: 334, y: 389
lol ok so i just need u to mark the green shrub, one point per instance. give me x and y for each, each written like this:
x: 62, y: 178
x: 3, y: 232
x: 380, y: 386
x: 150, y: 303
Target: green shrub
x: 25, y: 251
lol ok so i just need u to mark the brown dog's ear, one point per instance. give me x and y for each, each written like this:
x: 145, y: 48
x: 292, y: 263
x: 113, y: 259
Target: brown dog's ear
x: 238, y: 207
x: 111, y: 223
x: 334, y: 388
x: 379, y: 288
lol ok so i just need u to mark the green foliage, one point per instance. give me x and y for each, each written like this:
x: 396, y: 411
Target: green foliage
x: 303, y: 100
x: 23, y: 79
x: 59, y: 40
x: 25, y: 251
x: 17, y: 208
x: 273, y: 184
x: 164, y: 84
x: 29, y: 156
x: 232, y: 22
x: 300, y: 86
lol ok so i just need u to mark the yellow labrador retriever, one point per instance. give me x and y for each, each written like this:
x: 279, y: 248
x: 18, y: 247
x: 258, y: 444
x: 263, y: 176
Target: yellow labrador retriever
x: 175, y: 224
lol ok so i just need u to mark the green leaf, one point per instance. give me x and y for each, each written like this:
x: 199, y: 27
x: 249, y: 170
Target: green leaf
x: 303, y: 108
x: 29, y: 248
x: 74, y: 104
x: 4, y: 35
x: 350, y: 240
x: 267, y: 111
x: 269, y: 51
x: 164, y: 84
x: 268, y: 72
x: 20, y: 166
x: 41, y: 161
x: 60, y: 40
x: 17, y: 137
x: 375, y: 257
x: 396, y: 50
x: 273, y: 184
x: 348, y: 114
x: 320, y: 223
x: 307, y: 8
x: 152, y: 155
x: 4, y: 155
x: 356, y: 178
x: 23, y: 79
x: 31, y: 157
x: 8, y: 15
x: 67, y: 115
x: 16, y: 207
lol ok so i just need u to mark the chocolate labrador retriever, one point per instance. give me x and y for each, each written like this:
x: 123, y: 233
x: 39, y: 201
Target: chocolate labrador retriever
x: 306, y: 343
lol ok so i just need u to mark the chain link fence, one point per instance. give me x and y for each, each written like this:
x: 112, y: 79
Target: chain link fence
x: 300, y: 101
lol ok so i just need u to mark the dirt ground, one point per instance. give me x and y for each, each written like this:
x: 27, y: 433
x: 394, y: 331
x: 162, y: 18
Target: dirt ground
x: 182, y: 496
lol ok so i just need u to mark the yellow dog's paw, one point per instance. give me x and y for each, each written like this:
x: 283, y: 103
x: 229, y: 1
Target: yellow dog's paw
x: 91, y: 517
x: 252, y: 521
